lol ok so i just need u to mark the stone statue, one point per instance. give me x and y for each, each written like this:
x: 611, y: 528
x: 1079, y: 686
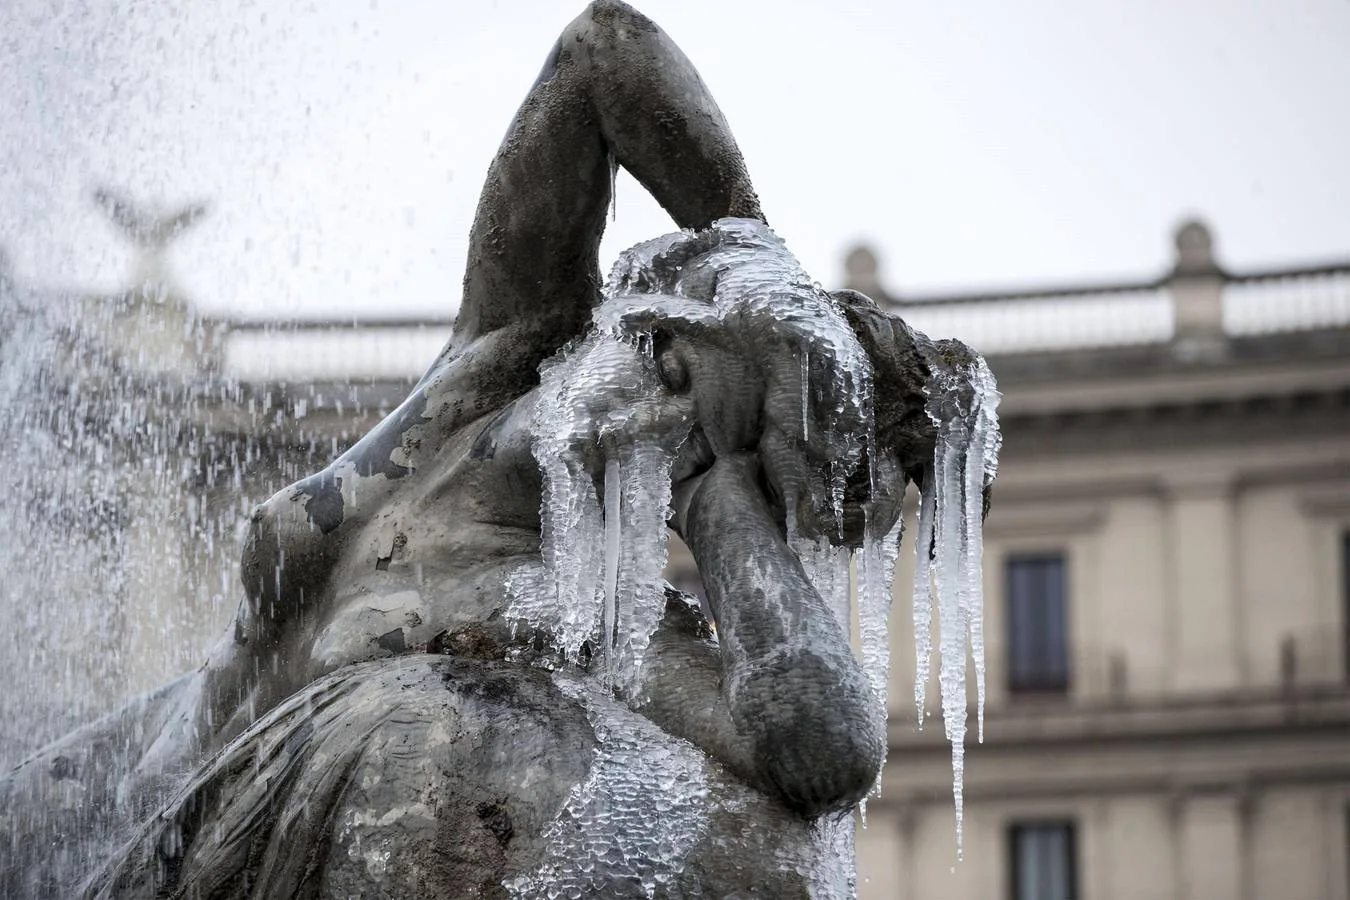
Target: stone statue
x: 402, y: 707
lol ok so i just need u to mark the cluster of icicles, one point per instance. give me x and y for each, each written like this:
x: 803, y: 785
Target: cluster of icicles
x: 602, y: 408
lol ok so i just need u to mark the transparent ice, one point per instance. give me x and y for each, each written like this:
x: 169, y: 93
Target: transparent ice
x: 598, y: 412
x: 963, y: 406
x: 648, y: 802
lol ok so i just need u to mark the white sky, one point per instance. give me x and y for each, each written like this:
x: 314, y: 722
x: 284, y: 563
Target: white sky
x: 981, y: 143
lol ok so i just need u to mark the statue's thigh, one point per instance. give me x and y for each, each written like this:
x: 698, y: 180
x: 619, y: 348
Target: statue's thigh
x: 415, y: 776
x: 456, y: 783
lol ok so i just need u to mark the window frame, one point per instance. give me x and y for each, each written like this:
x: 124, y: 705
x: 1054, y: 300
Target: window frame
x: 1345, y: 601
x: 1018, y: 827
x: 1042, y: 682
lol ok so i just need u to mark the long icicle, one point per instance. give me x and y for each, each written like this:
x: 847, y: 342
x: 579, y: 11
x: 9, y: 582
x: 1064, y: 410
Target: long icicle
x: 964, y: 459
x: 641, y: 603
x: 951, y: 616
x: 981, y: 466
x: 876, y: 571
x: 613, y: 541
x: 923, y: 595
x: 969, y: 572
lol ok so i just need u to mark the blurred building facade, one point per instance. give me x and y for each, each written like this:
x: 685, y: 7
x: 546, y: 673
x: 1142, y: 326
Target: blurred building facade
x: 1167, y: 579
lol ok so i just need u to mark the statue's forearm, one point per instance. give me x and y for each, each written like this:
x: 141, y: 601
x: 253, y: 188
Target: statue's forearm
x: 792, y: 685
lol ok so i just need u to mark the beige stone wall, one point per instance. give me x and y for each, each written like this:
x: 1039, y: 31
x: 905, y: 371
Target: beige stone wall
x: 1285, y: 843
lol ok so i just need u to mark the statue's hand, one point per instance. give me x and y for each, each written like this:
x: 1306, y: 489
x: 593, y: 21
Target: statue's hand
x: 664, y: 417
x: 617, y: 403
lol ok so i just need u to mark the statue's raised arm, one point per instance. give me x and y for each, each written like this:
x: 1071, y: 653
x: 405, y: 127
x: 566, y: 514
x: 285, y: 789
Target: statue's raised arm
x: 615, y: 91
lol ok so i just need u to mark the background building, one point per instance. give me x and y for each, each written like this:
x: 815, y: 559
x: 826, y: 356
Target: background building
x: 1166, y: 595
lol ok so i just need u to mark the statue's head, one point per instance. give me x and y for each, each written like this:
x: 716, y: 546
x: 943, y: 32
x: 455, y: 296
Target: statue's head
x: 716, y: 346
x: 769, y: 366
x: 717, y: 342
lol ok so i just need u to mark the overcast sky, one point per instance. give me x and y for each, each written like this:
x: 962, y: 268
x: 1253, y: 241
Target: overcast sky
x: 342, y: 143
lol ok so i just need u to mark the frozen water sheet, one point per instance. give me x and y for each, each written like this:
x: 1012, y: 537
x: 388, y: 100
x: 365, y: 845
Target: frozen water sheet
x: 604, y: 562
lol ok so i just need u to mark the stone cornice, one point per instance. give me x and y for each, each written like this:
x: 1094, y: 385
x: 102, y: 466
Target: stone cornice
x: 1034, y: 723
x: 1174, y: 423
x: 1229, y: 743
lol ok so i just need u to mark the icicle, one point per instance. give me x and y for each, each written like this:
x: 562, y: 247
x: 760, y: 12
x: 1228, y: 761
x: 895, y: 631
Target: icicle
x: 792, y: 526
x: 971, y: 548
x: 876, y: 571
x: 838, y: 481
x: 573, y: 543
x: 613, y: 188
x: 962, y: 406
x: 842, y: 587
x: 827, y: 567
x: 806, y: 394
x: 613, y: 537
x: 646, y: 504
x: 981, y: 468
x: 573, y: 525
x: 951, y: 615
x: 923, y: 596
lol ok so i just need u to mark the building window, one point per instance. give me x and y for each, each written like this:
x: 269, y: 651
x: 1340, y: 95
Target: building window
x: 1042, y: 861
x: 1038, y: 633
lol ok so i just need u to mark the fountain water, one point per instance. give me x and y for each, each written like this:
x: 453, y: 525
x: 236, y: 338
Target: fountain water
x: 115, y: 489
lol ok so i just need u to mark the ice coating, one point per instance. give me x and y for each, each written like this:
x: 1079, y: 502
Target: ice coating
x: 828, y: 568
x: 572, y: 521
x: 876, y: 574
x: 597, y: 411
x: 645, y: 489
x: 923, y: 600
x: 739, y: 278
x: 963, y: 405
x: 641, y: 810
x: 613, y: 551
x: 645, y: 817
x: 602, y: 409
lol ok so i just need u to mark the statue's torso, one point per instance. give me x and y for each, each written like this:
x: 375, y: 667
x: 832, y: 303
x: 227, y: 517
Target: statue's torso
x: 417, y: 559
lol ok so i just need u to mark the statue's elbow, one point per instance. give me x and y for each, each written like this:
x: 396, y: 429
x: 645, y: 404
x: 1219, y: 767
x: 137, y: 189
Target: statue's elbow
x: 819, y: 741
x: 820, y: 776
x: 284, y: 557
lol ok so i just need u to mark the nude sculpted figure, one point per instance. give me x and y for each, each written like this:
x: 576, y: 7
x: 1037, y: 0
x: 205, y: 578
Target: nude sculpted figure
x: 382, y: 719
